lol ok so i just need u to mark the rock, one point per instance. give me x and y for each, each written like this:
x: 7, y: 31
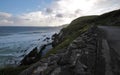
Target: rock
x: 40, y: 69
x: 46, y: 39
x: 79, y: 42
x: 56, y: 71
x: 34, y: 55
x: 91, y: 47
x: 44, y: 35
x: 72, y: 46
x: 55, y: 39
x: 66, y: 70
x: 80, y: 68
x: 64, y: 60
x: 29, y: 59
x: 50, y: 69
x: 43, y: 47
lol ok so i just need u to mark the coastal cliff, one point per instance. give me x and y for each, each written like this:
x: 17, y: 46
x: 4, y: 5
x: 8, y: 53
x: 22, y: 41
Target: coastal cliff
x: 79, y: 58
x: 78, y: 49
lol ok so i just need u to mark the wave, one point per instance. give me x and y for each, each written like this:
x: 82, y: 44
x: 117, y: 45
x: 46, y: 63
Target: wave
x: 18, y: 44
x: 33, y: 32
x: 6, y: 55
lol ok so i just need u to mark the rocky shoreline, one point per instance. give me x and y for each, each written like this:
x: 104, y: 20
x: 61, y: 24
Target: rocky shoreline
x: 81, y: 57
x: 39, y: 51
x: 34, y: 55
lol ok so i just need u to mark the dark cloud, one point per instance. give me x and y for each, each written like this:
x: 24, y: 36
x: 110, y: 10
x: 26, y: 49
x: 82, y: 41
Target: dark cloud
x: 59, y: 15
x: 78, y: 11
x: 49, y: 10
x: 27, y: 19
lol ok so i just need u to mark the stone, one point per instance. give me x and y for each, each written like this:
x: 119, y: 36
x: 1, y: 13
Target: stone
x: 72, y: 46
x: 40, y: 69
x: 79, y: 68
x: 56, y: 71
x: 64, y: 60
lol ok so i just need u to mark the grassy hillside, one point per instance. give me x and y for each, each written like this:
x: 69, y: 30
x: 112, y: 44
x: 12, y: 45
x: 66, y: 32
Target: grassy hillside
x: 110, y: 18
x: 81, y: 24
x: 72, y: 31
x: 78, y: 24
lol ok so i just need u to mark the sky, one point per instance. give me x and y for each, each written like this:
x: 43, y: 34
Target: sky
x: 51, y: 12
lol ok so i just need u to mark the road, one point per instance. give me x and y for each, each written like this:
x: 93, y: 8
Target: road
x: 112, y: 35
x: 111, y: 41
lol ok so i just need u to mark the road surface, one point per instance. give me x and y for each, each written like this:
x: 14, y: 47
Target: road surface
x: 111, y: 41
x: 112, y: 35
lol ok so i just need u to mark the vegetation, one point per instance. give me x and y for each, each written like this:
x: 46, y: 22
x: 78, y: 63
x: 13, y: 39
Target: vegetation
x: 12, y: 70
x: 109, y: 19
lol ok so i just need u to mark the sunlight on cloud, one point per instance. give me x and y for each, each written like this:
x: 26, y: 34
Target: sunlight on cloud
x: 39, y: 18
x: 73, y: 5
x: 60, y: 12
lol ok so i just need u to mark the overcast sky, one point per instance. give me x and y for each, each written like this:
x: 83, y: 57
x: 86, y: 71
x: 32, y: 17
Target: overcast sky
x: 50, y: 12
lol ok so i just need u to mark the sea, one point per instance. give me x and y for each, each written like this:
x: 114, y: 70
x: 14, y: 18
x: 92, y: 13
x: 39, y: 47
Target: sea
x: 16, y: 42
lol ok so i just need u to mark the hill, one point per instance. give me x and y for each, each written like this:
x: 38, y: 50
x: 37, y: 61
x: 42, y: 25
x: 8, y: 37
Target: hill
x: 80, y: 25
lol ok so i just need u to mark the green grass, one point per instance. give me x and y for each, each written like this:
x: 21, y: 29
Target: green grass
x: 109, y: 19
x: 12, y: 70
x: 78, y: 24
x: 68, y: 40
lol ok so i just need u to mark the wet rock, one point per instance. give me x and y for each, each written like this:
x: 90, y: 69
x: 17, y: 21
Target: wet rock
x: 29, y: 59
x: 44, y: 35
x: 55, y: 39
x: 46, y: 39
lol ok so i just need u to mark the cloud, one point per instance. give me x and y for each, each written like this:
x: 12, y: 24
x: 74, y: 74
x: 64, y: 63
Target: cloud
x: 5, y: 15
x: 64, y: 11
x: 40, y: 18
x: 4, y: 22
x: 60, y: 12
x: 5, y: 18
x: 102, y: 6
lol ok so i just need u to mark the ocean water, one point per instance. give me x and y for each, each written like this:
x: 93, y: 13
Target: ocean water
x: 16, y: 42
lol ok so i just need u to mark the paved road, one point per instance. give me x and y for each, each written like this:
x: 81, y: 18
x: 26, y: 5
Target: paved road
x: 112, y: 35
x: 106, y: 55
x: 111, y: 40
